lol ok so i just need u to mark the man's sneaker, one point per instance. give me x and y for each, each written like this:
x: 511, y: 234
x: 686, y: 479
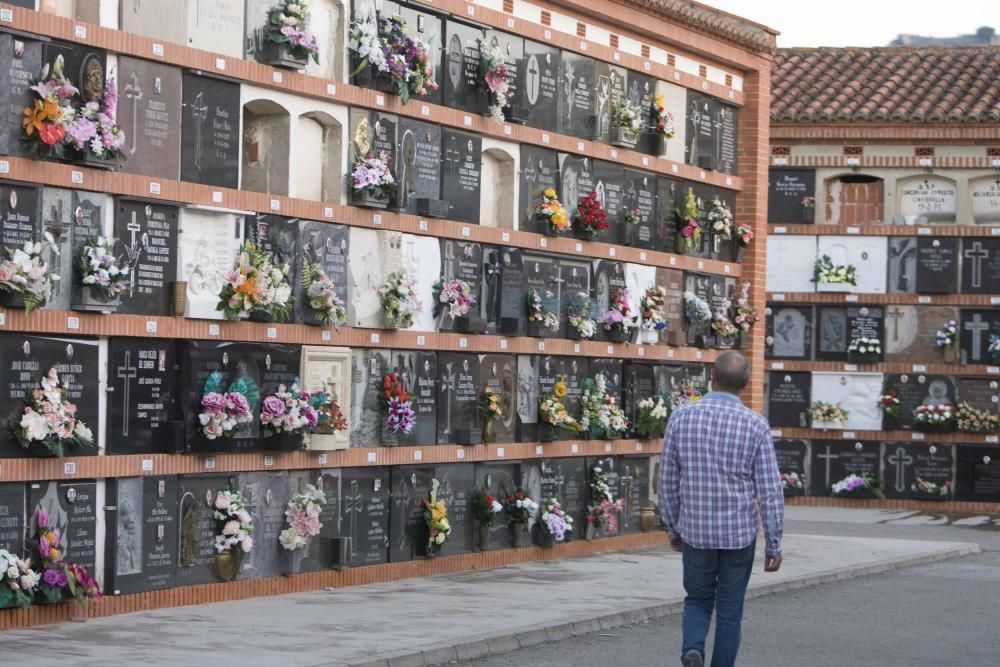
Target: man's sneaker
x: 693, y: 659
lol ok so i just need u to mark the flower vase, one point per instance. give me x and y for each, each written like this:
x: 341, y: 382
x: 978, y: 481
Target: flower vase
x: 737, y: 251
x: 517, y: 535
x: 808, y: 215
x: 589, y: 533
x: 536, y: 329
x: 725, y: 342
x: 545, y: 538
x: 227, y: 565
x: 179, y: 294
x: 573, y: 334
x: 585, y: 233
x: 283, y: 442
x: 393, y: 322
x: 649, y: 336
x: 280, y: 55
x: 94, y: 162
x: 90, y: 299
x: 368, y: 200
x: 834, y: 287
x: 260, y: 315
x: 622, y: 138
x: 545, y: 226
x: 291, y: 561
x: 488, y: 427
x: 647, y: 519
x: 826, y: 426
x: 79, y: 610
x: 740, y: 340
x: 41, y: 451
x: 11, y: 299
x: 484, y: 537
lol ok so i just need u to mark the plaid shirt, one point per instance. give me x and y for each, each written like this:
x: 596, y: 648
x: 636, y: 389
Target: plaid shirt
x: 717, y: 458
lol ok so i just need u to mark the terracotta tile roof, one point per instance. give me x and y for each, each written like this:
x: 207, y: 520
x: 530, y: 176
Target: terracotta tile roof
x: 887, y: 84
x: 709, y: 19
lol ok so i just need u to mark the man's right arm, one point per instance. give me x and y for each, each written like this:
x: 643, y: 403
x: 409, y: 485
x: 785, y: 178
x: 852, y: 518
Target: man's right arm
x: 670, y: 482
x: 770, y: 498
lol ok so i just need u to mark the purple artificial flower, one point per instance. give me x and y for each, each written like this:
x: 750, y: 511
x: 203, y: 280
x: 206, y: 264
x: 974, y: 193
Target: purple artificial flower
x: 81, y: 131
x: 239, y: 402
x: 213, y: 402
x: 310, y: 414
x: 54, y: 577
x: 273, y: 406
x: 400, y: 417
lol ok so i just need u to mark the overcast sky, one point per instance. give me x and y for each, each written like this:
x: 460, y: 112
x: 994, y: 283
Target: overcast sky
x: 863, y: 22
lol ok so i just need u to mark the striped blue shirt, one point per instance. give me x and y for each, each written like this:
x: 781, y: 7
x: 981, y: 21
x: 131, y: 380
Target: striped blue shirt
x: 718, y: 458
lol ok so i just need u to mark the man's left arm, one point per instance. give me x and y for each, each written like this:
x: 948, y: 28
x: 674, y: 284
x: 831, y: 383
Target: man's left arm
x: 670, y: 485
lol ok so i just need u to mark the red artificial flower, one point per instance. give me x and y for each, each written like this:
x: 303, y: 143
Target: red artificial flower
x: 51, y: 133
x: 520, y: 496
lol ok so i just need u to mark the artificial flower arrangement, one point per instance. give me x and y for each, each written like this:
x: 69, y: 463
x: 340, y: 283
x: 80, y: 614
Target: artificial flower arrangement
x: 600, y: 413
x: 302, y: 514
x: 288, y: 412
x: 865, y: 346
x: 888, y: 401
x: 993, y: 348
x: 720, y: 218
x: 625, y: 117
x: 555, y: 522
x: 808, y: 202
x: 490, y: 405
x: 552, y: 411
x: 604, y: 509
x: 934, y: 417
x: 519, y: 507
x: 493, y: 72
x: 49, y: 419
x: 580, y: 321
x: 652, y: 307
x: 688, y: 392
x: 255, y: 284
x: 436, y: 516
x: 947, y: 335
x: 321, y: 295
x: 329, y: 415
x: 223, y: 412
x: 744, y: 234
x: 857, y: 486
x: 60, y: 580
x: 696, y: 310
x: 455, y: 298
x: 17, y: 580
x: 821, y: 413
x: 100, y: 270
x: 651, y: 418
x: 688, y: 227
x: 590, y: 219
x: 633, y: 216
x: 371, y: 177
x: 399, y: 414
x: 550, y: 212
x: 485, y: 507
x: 233, y: 525
x: 722, y: 325
x: 94, y: 132
x: 288, y: 26
x: 27, y: 275
x: 618, y: 320
x: 744, y: 314
x: 392, y: 54
x: 973, y: 420
x: 664, y: 126
x: 793, y: 484
x: 926, y: 488
x: 826, y: 273
x: 538, y: 314
x: 399, y: 301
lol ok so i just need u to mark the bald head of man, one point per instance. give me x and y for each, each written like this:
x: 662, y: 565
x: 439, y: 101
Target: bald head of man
x: 731, y: 373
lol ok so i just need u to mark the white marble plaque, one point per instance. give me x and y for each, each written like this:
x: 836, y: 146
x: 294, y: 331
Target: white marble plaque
x: 209, y: 243
x: 639, y: 278
x: 794, y: 272
x: 674, y: 99
x: 985, y: 200
x: 868, y: 254
x: 929, y: 196
x: 855, y: 392
x: 372, y: 256
x: 421, y: 256
x: 328, y: 369
x: 214, y: 25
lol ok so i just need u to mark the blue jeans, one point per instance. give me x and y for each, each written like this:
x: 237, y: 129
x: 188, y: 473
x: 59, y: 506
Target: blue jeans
x: 715, y: 578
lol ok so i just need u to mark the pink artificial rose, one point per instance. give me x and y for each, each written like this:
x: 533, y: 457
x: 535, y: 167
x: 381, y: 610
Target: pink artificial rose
x: 687, y: 231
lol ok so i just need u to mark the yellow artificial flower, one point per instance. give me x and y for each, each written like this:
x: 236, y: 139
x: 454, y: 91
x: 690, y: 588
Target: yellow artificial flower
x: 549, y: 192
x: 559, y: 389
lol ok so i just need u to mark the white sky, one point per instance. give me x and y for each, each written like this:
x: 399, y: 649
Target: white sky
x: 863, y: 22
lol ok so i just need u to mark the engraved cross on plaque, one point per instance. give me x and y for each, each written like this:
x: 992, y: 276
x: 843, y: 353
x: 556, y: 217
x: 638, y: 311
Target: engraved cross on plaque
x: 895, y: 314
x: 353, y: 505
x: 133, y: 250
x: 126, y: 372
x: 199, y: 113
x: 58, y: 229
x: 828, y: 456
x: 901, y: 460
x: 977, y: 253
x: 977, y: 327
x: 133, y: 92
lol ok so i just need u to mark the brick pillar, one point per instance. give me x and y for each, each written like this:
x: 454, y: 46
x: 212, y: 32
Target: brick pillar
x: 751, y: 206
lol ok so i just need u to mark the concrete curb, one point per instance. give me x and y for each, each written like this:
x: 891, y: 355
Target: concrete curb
x: 479, y: 647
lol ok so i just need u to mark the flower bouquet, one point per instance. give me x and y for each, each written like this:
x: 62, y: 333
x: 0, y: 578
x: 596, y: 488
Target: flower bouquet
x: 604, y: 509
x: 60, y: 580
x: 618, y: 321
x: 720, y: 219
x: 723, y: 326
x: 102, y: 277
x: 993, y: 348
x: 947, y: 336
x: 290, y: 44
x: 485, y: 508
x: 372, y: 182
x: 825, y: 415
x: 581, y: 324
x: 697, y: 312
x: 330, y: 420
x: 519, y: 508
x: 48, y: 422
x: 51, y: 113
x: 857, y: 486
x: 688, y: 228
x: 688, y: 392
x: 399, y: 301
x: 233, y: 527
x: 493, y: 73
x: 93, y: 135
x: 590, y: 220
x: 223, y: 412
x: 541, y: 321
x: 652, y: 309
x: 255, y: 288
x: 392, y: 55
x: 490, y: 404
x: 743, y: 237
x: 970, y: 419
x: 17, y: 580
x: 555, y: 523
x: 600, y: 414
x: 399, y: 414
x: 865, y: 349
x: 550, y: 214
x: 793, y: 484
x: 808, y: 209
x: 744, y: 314
x: 552, y: 413
x: 626, y: 122
x: 436, y: 516
x: 651, y: 417
x: 321, y: 297
x: 934, y: 418
x: 302, y: 514
x: 833, y: 278
x: 926, y: 490
x: 24, y: 278
x: 664, y: 120
x: 286, y: 417
x: 889, y: 403
x: 454, y: 298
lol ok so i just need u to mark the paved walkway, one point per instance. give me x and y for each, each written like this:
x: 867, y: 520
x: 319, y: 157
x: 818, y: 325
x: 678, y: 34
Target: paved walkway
x: 440, y: 619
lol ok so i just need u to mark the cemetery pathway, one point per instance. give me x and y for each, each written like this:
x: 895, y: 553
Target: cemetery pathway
x: 439, y: 619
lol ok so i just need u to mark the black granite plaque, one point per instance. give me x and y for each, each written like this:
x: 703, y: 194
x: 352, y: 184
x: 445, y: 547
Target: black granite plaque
x: 789, y: 332
x: 978, y: 473
x: 142, y: 534
x: 428, y: 27
x: 978, y: 327
x: 728, y: 138
x: 411, y: 485
x: 574, y: 370
x: 72, y: 509
x: 210, y: 130
x: 566, y: 479
x: 833, y: 460
x: 902, y: 264
x: 576, y: 180
x: 788, y: 398
x: 527, y: 397
x: 574, y: 290
x: 640, y: 90
x: 458, y: 395
x: 701, y: 286
x: 832, y: 333
x: 461, y: 67
x: 980, y: 393
x: 577, y: 77
x: 499, y: 478
x: 512, y: 291
x: 669, y: 378
x: 609, y: 81
x: 142, y: 399
x: 418, y: 373
x: 149, y: 113
x: 20, y: 65
x: 12, y: 516
x: 541, y: 276
x: 539, y: 171
x: 701, y: 138
x: 84, y: 66
x: 25, y: 359
x: 461, y: 164
x: 866, y: 322
x: 266, y: 496
x: 640, y: 384
x: 903, y: 463
x: 278, y: 236
x: 789, y: 193
x: 146, y: 234
x: 542, y: 95
x: 498, y: 372
x: 639, y: 201
x: 373, y: 133
x: 457, y: 480
x: 418, y: 165
x: 512, y: 49
x: 364, y: 502
x: 914, y: 390
x: 609, y: 184
x: 20, y: 216
x: 609, y: 276
x: 669, y: 196
x: 633, y: 488
x: 86, y: 221
x: 937, y: 265
x: 980, y: 265
x: 325, y: 246
x: 792, y: 456
x: 196, y: 527
x: 462, y: 260
x: 367, y: 418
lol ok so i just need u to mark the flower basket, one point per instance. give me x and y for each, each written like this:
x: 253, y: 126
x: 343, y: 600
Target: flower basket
x: 280, y: 55
x: 227, y: 565
x: 90, y: 160
x: 622, y: 137
x: 284, y: 442
x: 90, y: 299
x: 368, y: 200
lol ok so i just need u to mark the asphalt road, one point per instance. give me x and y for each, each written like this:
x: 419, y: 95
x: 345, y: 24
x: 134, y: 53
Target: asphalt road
x: 940, y: 614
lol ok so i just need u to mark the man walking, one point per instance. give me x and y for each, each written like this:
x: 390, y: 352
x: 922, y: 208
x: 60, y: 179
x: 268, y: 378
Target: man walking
x: 718, y: 459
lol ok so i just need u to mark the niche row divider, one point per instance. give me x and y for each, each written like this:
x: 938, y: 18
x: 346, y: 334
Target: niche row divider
x: 884, y: 229
x: 891, y: 367
x: 913, y: 437
x: 887, y: 299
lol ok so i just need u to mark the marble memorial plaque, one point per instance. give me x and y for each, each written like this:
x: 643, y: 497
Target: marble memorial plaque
x: 278, y: 237
x: 149, y: 112
x: 512, y: 49
x: 609, y: 179
x: 457, y: 480
x: 72, y: 508
x: 142, y: 538
x: 372, y: 256
x: 216, y: 25
x: 543, y: 88
x: 418, y: 373
x: 458, y: 395
x: 927, y: 198
x: 266, y: 496
x: 868, y: 254
x: 195, y: 501
x: 208, y: 245
x: 328, y: 368
x: 146, y: 234
x: 367, y: 418
x: 142, y: 405
x: 866, y: 322
x: 20, y: 64
x: 640, y: 90
x: 639, y: 278
x: 574, y: 289
x: 701, y: 286
x: 833, y: 460
x: 977, y: 475
x: 418, y: 164
x: 411, y: 485
x: 792, y: 456
x: 428, y: 27
x: 421, y: 257
x: 903, y: 463
x: 609, y: 81
x: 527, y: 397
x: 499, y: 478
x: 609, y: 276
x: 937, y: 265
x: 365, y: 507
x: 539, y: 171
x: 832, y: 333
x: 911, y: 333
x: 985, y: 199
x: 461, y: 167
x: 461, y: 67
x: 980, y: 394
x: 566, y: 480
x: 60, y: 256
x: 669, y: 196
x: 640, y: 384
x: 639, y: 197
x: 789, y: 332
x: 673, y: 281
x: 634, y: 489
x: 541, y: 276
x: 980, y: 265
x: 576, y: 180
x: 795, y: 272
x: 787, y: 396
x: 576, y: 103
x: 20, y: 216
x: 917, y: 389
x: 977, y: 328
x: 461, y: 260
x: 210, y: 130
x: 857, y: 393
x: 324, y: 246
x: 789, y: 192
x: 12, y: 516
x: 498, y: 373
x: 902, y: 264
x: 512, y: 288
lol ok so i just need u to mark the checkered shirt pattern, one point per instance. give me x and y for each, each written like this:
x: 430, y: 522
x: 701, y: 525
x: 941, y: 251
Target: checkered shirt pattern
x: 718, y: 458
